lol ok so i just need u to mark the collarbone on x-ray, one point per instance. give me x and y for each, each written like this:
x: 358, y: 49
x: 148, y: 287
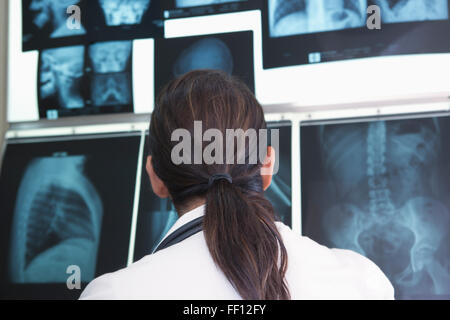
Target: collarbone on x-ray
x: 292, y: 17
x: 395, y: 11
x: 57, y: 222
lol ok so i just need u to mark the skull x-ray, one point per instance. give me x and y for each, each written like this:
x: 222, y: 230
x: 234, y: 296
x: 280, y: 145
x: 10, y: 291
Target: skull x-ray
x: 67, y: 205
x: 229, y: 52
x: 124, y: 12
x: 195, y: 3
x: 111, y: 79
x: 395, y: 11
x: 57, y: 222
x: 60, y: 78
x: 280, y: 190
x: 47, y: 19
x: 293, y: 17
x: 207, y: 53
x: 386, y: 185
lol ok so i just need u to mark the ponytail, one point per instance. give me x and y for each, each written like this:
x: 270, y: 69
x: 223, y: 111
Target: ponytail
x: 244, y: 242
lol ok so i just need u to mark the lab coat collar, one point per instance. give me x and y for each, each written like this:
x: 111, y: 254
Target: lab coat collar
x: 186, y: 218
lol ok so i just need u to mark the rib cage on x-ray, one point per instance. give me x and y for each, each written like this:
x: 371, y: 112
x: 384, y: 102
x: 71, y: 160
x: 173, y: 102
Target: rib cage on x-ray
x: 382, y: 185
x: 57, y: 222
x: 396, y: 11
x: 291, y: 17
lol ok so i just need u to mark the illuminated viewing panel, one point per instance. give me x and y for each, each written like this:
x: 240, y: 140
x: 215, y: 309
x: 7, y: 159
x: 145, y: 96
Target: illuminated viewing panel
x: 386, y: 185
x: 60, y: 208
x: 190, y: 8
x: 299, y: 32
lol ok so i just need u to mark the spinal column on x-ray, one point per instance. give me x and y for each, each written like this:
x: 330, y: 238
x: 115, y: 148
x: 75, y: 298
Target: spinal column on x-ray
x: 383, y: 175
x: 290, y: 17
x: 124, y: 12
x: 57, y: 222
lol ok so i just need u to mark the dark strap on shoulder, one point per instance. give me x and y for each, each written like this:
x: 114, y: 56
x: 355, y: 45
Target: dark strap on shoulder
x: 182, y: 233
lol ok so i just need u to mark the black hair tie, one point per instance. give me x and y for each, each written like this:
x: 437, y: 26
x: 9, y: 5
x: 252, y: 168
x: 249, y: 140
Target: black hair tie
x: 219, y: 176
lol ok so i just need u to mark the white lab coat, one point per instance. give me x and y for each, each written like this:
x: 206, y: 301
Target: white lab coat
x: 187, y: 271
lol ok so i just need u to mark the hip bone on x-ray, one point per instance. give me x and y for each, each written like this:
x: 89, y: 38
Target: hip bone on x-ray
x: 385, y: 200
x: 57, y: 222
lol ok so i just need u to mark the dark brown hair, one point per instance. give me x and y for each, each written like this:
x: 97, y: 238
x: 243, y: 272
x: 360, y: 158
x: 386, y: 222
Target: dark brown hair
x: 239, y: 222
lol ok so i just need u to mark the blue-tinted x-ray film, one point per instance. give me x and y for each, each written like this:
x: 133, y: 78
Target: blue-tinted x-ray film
x: 61, y: 74
x: 111, y: 89
x: 208, y: 53
x: 52, y: 15
x: 124, y: 12
x: 57, y: 221
x: 159, y: 222
x: 293, y: 17
x: 195, y: 3
x: 111, y: 56
x: 396, y: 11
x: 386, y: 198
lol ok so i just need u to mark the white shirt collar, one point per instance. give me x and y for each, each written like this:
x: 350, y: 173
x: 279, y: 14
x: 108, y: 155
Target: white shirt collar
x: 186, y: 218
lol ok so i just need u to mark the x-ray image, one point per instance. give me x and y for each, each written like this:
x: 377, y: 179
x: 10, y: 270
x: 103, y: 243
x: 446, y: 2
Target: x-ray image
x: 232, y: 53
x: 386, y: 184
x: 111, y: 56
x: 291, y: 17
x: 280, y: 190
x: 195, y: 3
x: 111, y: 89
x: 208, y: 53
x: 124, y: 12
x: 44, y: 20
x: 124, y: 19
x: 61, y: 75
x: 396, y: 11
x: 67, y: 205
x: 57, y: 222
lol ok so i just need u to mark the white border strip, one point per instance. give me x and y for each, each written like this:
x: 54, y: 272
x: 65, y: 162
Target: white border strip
x: 137, y: 193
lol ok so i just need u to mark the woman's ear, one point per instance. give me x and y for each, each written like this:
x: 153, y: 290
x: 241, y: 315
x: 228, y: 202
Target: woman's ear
x: 158, y: 186
x: 267, y: 168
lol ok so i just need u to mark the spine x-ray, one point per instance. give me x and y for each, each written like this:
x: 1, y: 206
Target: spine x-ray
x: 57, y: 222
x: 386, y: 189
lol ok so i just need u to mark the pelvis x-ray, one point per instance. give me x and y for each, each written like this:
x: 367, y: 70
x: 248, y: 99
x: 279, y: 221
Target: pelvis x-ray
x: 395, y: 11
x: 195, y: 3
x: 111, y: 81
x: 48, y: 18
x: 57, y: 222
x: 207, y: 53
x: 292, y: 17
x: 381, y: 189
x: 124, y: 12
x: 60, y: 78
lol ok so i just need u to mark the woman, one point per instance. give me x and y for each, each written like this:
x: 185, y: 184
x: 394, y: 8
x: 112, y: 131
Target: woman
x: 226, y: 243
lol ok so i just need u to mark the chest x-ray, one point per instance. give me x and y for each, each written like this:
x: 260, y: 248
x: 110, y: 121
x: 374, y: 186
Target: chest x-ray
x: 395, y: 11
x: 207, y: 53
x: 48, y: 19
x: 57, y: 222
x: 195, y: 3
x: 293, y: 17
x: 386, y: 185
x: 60, y: 78
x: 124, y: 12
